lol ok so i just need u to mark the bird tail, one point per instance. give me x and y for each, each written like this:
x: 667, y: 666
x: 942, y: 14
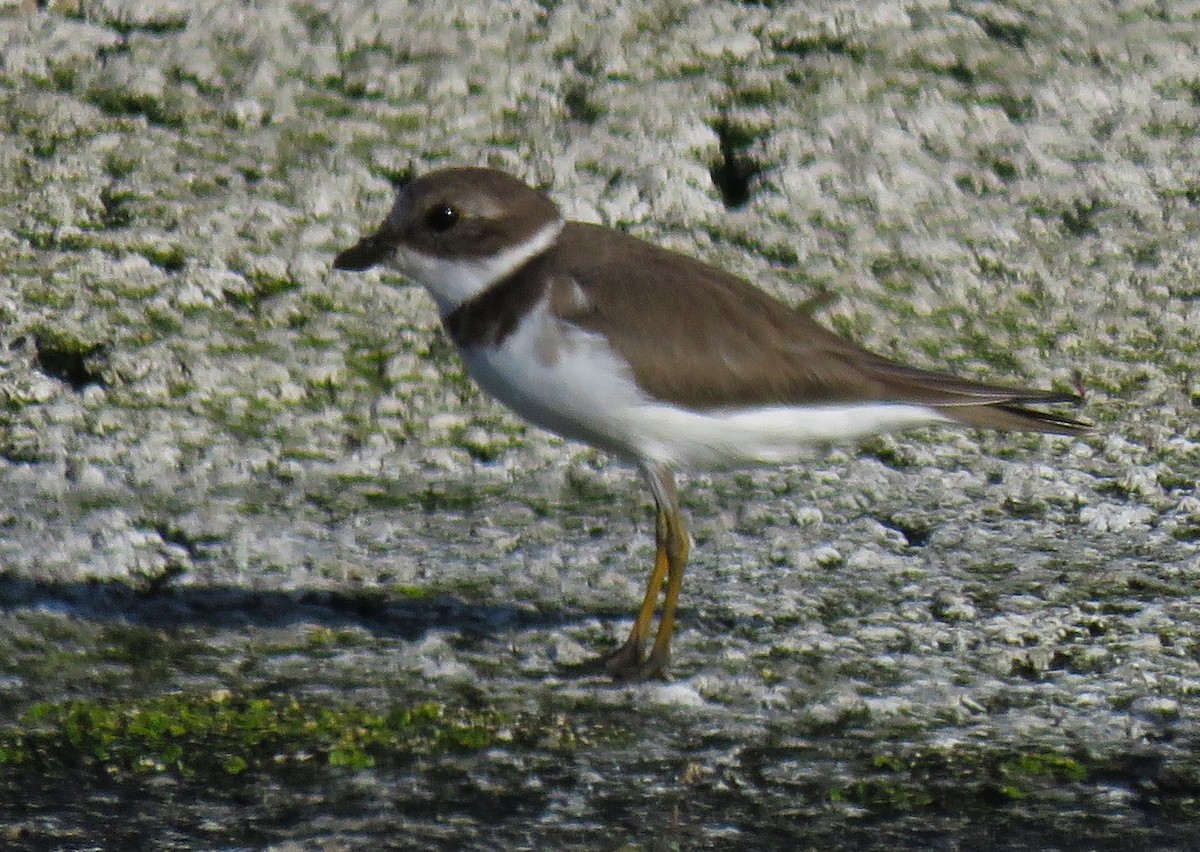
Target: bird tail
x: 1012, y: 416
x: 978, y: 404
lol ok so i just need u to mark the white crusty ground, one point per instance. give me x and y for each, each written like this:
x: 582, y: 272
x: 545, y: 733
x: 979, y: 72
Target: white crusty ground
x: 1009, y: 190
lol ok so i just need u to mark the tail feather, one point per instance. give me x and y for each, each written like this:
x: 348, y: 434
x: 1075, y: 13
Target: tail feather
x: 979, y: 404
x: 1011, y: 416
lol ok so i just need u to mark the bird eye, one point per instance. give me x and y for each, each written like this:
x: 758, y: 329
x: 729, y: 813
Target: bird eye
x: 441, y: 217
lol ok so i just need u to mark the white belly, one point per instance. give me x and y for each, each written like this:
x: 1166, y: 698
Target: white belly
x: 571, y: 383
x: 563, y: 380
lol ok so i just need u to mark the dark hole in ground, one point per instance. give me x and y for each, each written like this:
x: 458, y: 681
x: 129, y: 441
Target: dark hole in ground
x: 68, y: 363
x: 733, y: 174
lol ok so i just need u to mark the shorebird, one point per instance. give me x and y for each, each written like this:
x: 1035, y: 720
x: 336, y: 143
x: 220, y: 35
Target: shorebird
x: 653, y: 356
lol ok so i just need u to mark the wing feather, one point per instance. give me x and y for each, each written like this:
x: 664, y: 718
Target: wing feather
x: 731, y: 345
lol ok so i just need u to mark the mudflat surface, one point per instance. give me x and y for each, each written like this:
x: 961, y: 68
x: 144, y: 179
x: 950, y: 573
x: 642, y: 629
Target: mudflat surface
x: 274, y: 573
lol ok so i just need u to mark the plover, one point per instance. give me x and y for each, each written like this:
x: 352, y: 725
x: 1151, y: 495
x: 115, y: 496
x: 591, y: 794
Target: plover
x: 653, y: 356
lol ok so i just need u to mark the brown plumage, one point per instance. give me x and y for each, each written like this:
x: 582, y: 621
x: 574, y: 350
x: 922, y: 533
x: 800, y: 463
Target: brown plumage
x: 494, y: 253
x: 773, y: 354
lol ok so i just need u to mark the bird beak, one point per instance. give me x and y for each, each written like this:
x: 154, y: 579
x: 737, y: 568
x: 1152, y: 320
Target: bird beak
x: 366, y: 253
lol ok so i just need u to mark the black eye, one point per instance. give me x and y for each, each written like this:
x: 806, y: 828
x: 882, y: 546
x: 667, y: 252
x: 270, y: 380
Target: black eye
x: 441, y: 217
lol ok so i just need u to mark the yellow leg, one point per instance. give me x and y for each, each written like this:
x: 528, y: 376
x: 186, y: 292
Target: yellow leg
x: 629, y: 658
x: 655, y: 665
x: 671, y: 553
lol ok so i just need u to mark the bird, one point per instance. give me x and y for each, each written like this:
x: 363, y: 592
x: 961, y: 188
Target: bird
x: 653, y: 357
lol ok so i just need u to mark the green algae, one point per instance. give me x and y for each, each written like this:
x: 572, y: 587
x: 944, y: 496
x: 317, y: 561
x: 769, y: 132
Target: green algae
x: 207, y: 734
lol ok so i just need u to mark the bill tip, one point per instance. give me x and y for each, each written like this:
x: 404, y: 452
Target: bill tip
x: 363, y: 255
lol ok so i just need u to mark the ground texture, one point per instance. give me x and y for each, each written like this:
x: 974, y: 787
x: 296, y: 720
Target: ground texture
x: 273, y: 572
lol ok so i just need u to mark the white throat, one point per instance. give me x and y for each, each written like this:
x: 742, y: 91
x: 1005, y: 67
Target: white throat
x: 453, y: 281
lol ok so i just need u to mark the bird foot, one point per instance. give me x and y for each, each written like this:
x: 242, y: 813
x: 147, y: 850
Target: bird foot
x: 654, y: 667
x: 626, y: 665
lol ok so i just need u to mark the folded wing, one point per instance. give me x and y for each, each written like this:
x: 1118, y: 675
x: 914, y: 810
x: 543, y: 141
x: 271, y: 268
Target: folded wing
x: 735, y: 346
